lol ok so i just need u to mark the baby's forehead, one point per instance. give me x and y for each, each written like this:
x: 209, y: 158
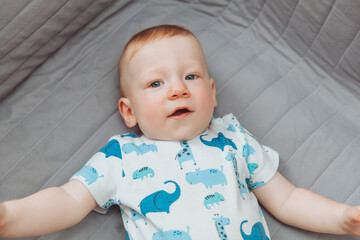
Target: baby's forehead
x: 134, y: 48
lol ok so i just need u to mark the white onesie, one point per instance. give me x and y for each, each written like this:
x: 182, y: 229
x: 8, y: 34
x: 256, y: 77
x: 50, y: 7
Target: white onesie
x: 195, y: 189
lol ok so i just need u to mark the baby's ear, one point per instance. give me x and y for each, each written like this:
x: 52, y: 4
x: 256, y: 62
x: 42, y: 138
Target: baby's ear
x: 126, y: 112
x: 213, y: 91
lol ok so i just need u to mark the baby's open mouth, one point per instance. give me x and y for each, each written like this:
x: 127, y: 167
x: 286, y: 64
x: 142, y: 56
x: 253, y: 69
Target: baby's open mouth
x: 180, y: 112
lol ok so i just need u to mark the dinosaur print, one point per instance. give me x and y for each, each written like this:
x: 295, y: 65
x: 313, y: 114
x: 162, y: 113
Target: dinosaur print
x: 231, y: 128
x: 172, y: 235
x: 220, y: 222
x: 220, y: 142
x: 257, y: 232
x: 185, y: 154
x: 209, y: 177
x: 247, y: 151
x: 252, y: 167
x: 252, y: 184
x: 160, y: 201
x: 139, y: 149
x: 112, y: 149
x: 143, y: 172
x: 213, y: 198
x: 89, y: 173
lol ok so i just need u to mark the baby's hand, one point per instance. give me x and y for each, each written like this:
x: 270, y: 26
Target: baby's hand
x: 351, y: 220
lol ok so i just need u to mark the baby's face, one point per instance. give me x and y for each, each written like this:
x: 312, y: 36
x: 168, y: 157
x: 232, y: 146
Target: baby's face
x: 168, y: 89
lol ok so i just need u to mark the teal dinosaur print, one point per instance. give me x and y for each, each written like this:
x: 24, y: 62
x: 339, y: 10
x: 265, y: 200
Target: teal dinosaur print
x: 160, y: 201
x: 208, y: 177
x: 252, y: 167
x: 143, y: 172
x: 252, y: 184
x: 220, y: 222
x: 89, y: 173
x: 257, y: 232
x: 172, y: 235
x: 220, y: 142
x: 231, y: 128
x: 247, y: 151
x: 212, y: 199
x: 112, y: 149
x: 139, y: 149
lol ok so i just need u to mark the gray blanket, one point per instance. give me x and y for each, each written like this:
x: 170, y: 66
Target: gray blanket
x: 288, y: 69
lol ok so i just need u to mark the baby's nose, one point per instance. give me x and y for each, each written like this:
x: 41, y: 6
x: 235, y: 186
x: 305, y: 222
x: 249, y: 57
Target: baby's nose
x: 178, y: 90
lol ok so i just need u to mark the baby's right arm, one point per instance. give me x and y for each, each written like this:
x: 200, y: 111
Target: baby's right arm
x: 47, y: 211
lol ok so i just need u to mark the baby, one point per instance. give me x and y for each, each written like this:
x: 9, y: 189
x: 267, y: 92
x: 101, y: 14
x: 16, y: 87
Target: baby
x: 189, y: 174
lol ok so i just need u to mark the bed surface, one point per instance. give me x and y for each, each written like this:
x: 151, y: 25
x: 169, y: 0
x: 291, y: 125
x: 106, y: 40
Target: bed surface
x: 289, y: 70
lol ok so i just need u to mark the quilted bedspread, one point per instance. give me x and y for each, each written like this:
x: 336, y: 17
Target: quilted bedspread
x: 288, y: 69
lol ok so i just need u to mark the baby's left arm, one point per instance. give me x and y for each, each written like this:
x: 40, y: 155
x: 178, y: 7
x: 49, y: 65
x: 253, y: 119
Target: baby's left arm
x: 307, y: 210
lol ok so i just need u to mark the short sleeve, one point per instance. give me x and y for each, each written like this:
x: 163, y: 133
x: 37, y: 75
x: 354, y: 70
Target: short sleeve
x: 100, y: 174
x: 262, y: 161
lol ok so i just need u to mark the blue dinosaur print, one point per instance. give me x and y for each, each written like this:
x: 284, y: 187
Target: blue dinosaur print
x: 213, y: 198
x: 139, y: 149
x: 137, y: 216
x: 185, y: 154
x: 160, y: 201
x: 252, y: 167
x: 112, y: 149
x: 247, y: 151
x: 172, y: 235
x: 130, y: 135
x: 252, y: 184
x: 220, y: 142
x: 231, y: 128
x: 220, y: 222
x: 89, y: 173
x: 209, y: 177
x: 257, y: 232
x: 143, y: 172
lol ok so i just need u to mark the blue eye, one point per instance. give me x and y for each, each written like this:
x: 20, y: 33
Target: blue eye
x: 156, y: 84
x: 191, y: 77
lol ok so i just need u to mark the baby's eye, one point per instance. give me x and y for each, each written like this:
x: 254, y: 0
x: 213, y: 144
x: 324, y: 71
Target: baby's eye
x: 191, y: 77
x: 156, y: 84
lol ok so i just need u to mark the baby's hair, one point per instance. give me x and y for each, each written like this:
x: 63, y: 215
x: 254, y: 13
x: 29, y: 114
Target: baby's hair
x: 146, y: 36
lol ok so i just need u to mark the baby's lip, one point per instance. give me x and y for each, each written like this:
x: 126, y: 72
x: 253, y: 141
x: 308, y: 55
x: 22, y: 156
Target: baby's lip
x: 180, y: 112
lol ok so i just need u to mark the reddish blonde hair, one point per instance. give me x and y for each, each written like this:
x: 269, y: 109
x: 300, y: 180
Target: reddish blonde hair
x: 146, y: 36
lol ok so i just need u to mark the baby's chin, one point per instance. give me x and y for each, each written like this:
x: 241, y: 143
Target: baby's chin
x: 177, y: 137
